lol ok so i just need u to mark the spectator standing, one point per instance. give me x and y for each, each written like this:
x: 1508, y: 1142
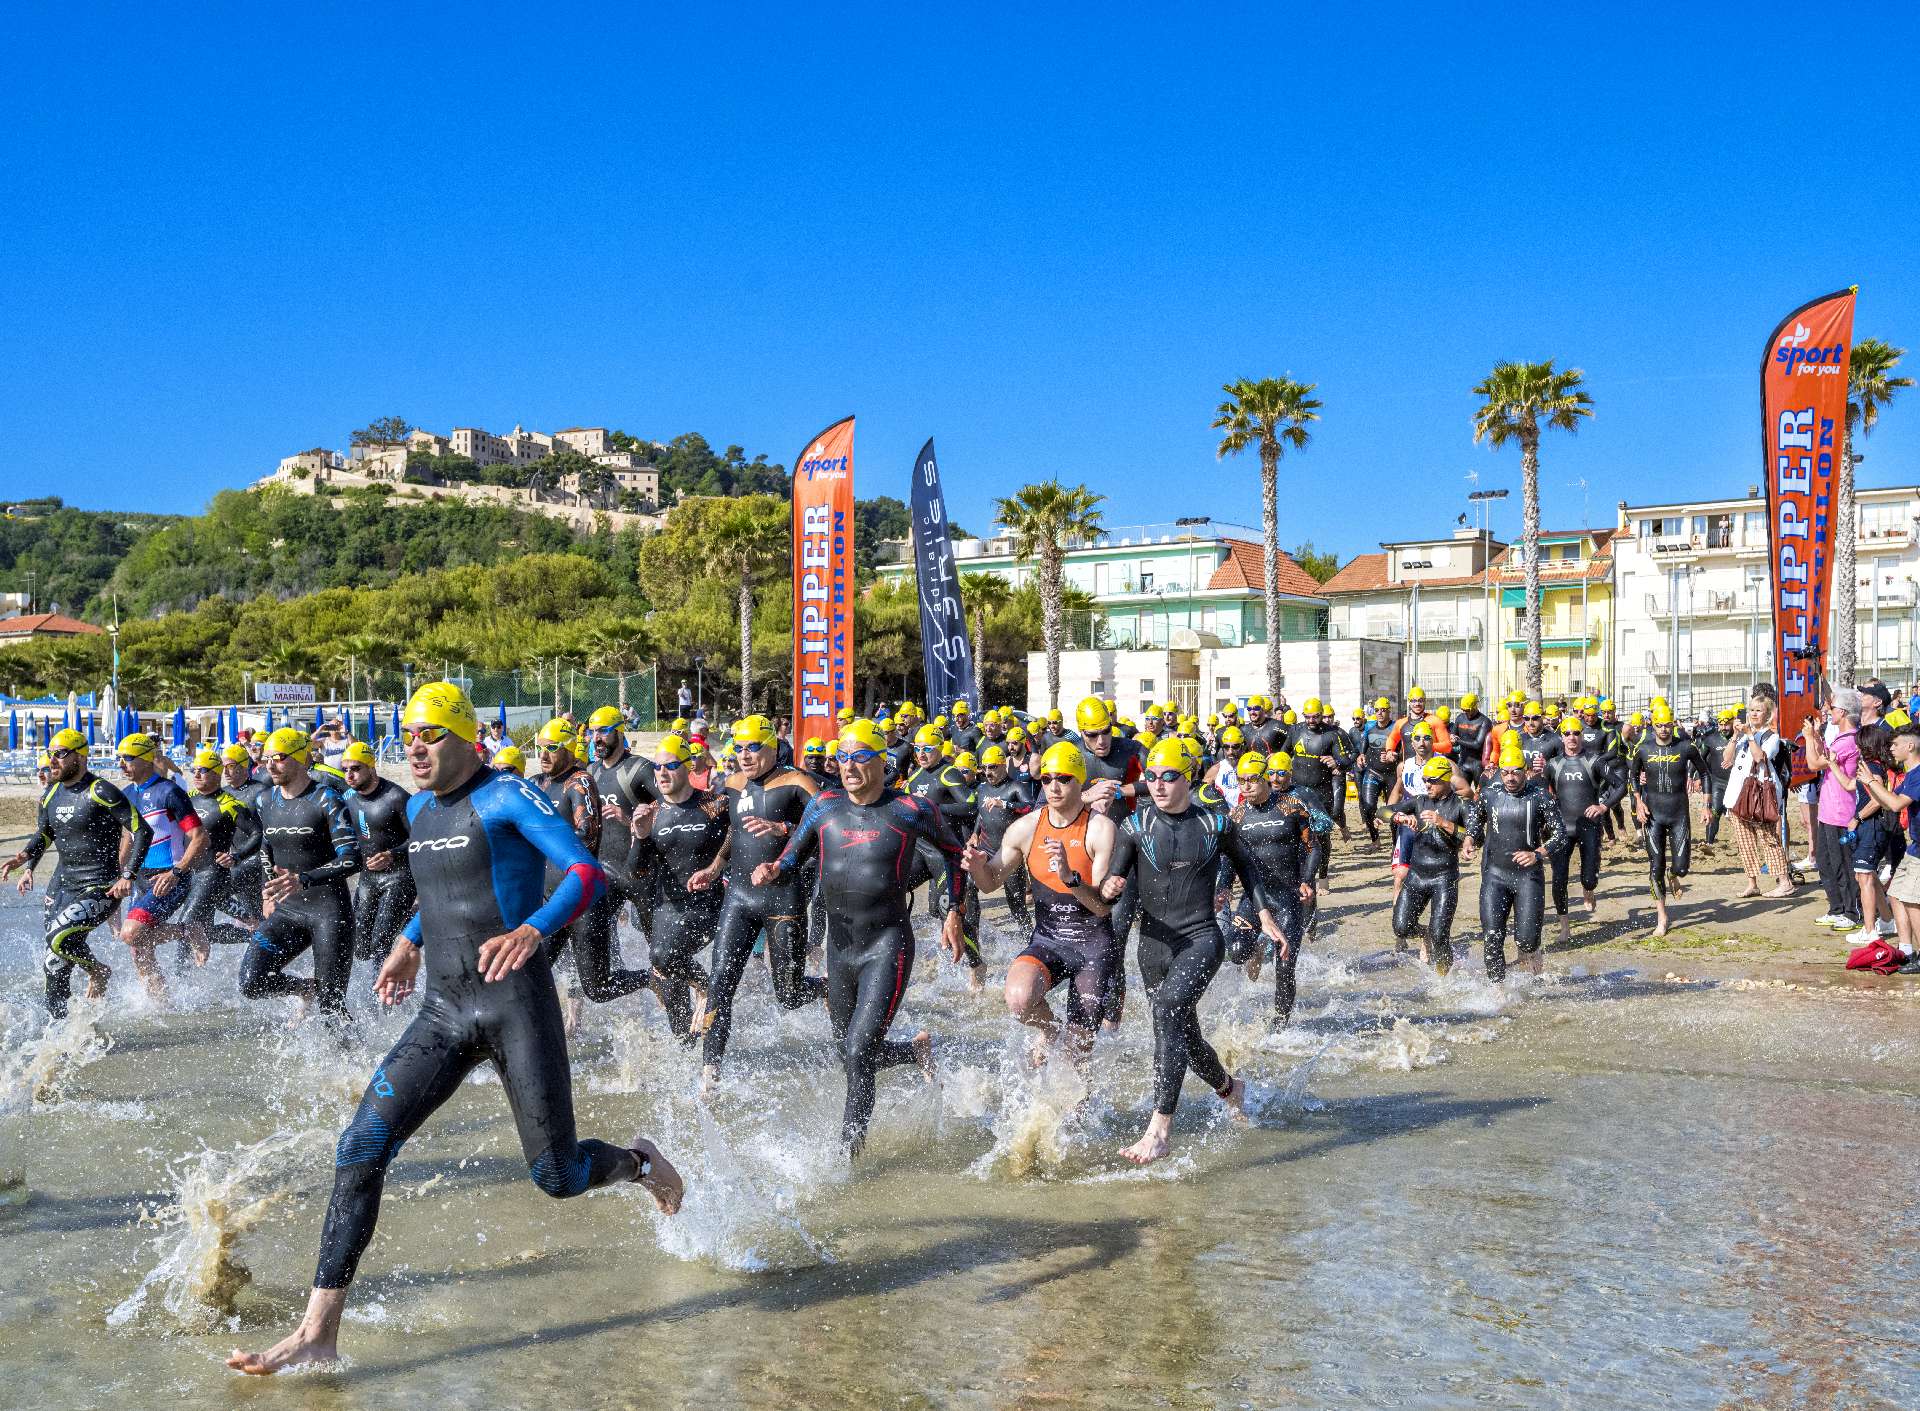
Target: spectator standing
x: 1753, y: 752
x: 1834, y: 754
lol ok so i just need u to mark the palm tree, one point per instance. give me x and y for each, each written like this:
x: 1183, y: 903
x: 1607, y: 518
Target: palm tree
x: 983, y: 595
x: 617, y: 647
x: 1041, y: 519
x: 1870, y: 386
x: 1520, y: 399
x: 749, y: 538
x: 1271, y: 413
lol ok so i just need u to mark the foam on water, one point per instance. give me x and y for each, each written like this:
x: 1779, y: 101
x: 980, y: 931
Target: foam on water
x: 35, y: 1072
x: 218, y: 1197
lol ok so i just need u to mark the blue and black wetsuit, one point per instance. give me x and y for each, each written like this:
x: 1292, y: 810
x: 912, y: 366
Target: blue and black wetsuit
x: 1176, y: 858
x: 777, y: 910
x: 84, y: 821
x: 866, y: 854
x: 313, y: 836
x: 384, y: 900
x: 1374, y: 778
x: 480, y: 857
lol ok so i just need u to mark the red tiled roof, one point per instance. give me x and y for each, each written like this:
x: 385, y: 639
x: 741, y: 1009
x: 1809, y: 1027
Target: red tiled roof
x: 53, y: 622
x: 1367, y: 573
x: 1245, y: 566
x: 1363, y: 573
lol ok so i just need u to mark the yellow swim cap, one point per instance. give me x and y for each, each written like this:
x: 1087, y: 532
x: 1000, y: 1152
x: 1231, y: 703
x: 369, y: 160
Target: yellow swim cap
x: 1440, y: 767
x: 1233, y: 735
x: 753, y: 730
x: 1169, y: 754
x: 358, y: 752
x: 289, y: 742
x: 844, y: 714
x: 1470, y: 700
x: 509, y: 758
x: 674, y: 748
x: 1063, y: 758
x: 1662, y: 712
x: 1250, y: 764
x: 992, y: 754
x: 138, y: 745
x: 1312, y: 706
x: 1279, y: 762
x: 71, y: 739
x: 928, y: 737
x: 438, y: 703
x: 605, y: 718
x: 862, y: 735
x: 236, y: 754
x: 965, y: 760
x: 1416, y: 694
x: 556, y: 734
x: 206, y: 759
x: 1511, y: 755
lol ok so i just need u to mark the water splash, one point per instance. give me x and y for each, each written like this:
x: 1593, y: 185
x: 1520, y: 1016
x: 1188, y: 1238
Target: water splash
x: 1408, y: 1046
x: 218, y: 1197
x: 36, y: 1072
x: 1040, y: 1113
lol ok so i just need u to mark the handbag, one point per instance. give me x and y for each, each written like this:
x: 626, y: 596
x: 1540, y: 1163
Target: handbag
x: 1757, y: 804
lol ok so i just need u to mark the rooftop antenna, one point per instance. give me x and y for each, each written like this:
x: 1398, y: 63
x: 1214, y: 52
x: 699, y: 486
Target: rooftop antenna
x: 1581, y: 486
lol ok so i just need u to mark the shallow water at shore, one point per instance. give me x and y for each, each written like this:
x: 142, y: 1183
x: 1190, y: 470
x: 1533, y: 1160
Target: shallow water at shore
x: 1590, y: 1188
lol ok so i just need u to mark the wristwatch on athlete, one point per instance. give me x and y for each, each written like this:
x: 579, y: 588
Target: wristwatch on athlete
x: 1072, y: 878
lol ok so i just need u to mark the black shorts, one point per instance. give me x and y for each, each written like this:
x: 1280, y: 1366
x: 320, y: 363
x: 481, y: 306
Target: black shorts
x: 1086, y: 966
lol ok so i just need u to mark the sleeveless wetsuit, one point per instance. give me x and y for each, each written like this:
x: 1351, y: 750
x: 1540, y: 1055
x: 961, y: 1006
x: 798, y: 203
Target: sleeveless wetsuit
x: 1069, y: 942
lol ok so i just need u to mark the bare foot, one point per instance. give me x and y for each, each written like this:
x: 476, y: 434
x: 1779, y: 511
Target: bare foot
x: 709, y: 1080
x: 1253, y: 965
x: 1149, y: 1148
x: 1662, y: 925
x: 295, y: 1349
x: 575, y: 1011
x: 702, y: 1016
x: 923, y: 1054
x: 1037, y: 1048
x: 1235, y: 1097
x: 1785, y: 889
x: 1752, y: 890
x: 1592, y: 905
x: 661, y: 1182
x: 976, y: 979
x: 97, y: 981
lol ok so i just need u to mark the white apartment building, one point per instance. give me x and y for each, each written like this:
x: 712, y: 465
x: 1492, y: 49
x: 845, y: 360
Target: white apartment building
x: 1691, y: 597
x: 587, y: 440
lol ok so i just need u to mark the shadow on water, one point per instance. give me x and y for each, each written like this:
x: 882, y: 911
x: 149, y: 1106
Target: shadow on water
x: 980, y: 1242
x: 57, y: 1214
x: 1371, y: 1119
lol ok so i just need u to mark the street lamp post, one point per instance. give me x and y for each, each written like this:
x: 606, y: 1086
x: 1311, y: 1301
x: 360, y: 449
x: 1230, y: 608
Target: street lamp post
x: 1479, y: 499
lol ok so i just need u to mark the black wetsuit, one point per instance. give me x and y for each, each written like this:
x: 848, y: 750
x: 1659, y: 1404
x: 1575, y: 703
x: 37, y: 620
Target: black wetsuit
x: 314, y: 837
x: 1374, y: 780
x: 1504, y: 823
x: 1313, y: 778
x: 84, y: 821
x: 900, y: 763
x: 479, y: 856
x: 1578, y: 783
x: 1176, y: 859
x: 1712, y: 747
x: 626, y: 785
x: 576, y: 798
x: 1433, y: 870
x: 996, y: 807
x: 1124, y: 762
x: 232, y: 827
x: 1545, y: 745
x: 966, y: 738
x: 249, y: 874
x: 1266, y: 737
x: 686, y: 837
x: 942, y: 788
x: 1469, y: 730
x: 778, y: 909
x: 1658, y: 774
x: 866, y: 854
x: 384, y: 900
x: 1282, y: 837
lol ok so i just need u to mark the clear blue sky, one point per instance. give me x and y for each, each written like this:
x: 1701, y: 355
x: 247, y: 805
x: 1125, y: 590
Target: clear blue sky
x: 1046, y: 241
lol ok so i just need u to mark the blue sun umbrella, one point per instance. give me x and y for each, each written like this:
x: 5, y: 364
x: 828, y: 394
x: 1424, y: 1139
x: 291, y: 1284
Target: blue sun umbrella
x: 179, y: 725
x: 92, y: 719
x: 318, y: 721
x: 13, y: 729
x: 502, y: 717
x: 269, y: 720
x: 233, y: 724
x: 393, y: 726
x: 373, y: 731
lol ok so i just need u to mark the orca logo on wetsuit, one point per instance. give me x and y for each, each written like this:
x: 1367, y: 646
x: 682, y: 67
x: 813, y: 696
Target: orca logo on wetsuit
x: 290, y: 830
x: 452, y: 843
